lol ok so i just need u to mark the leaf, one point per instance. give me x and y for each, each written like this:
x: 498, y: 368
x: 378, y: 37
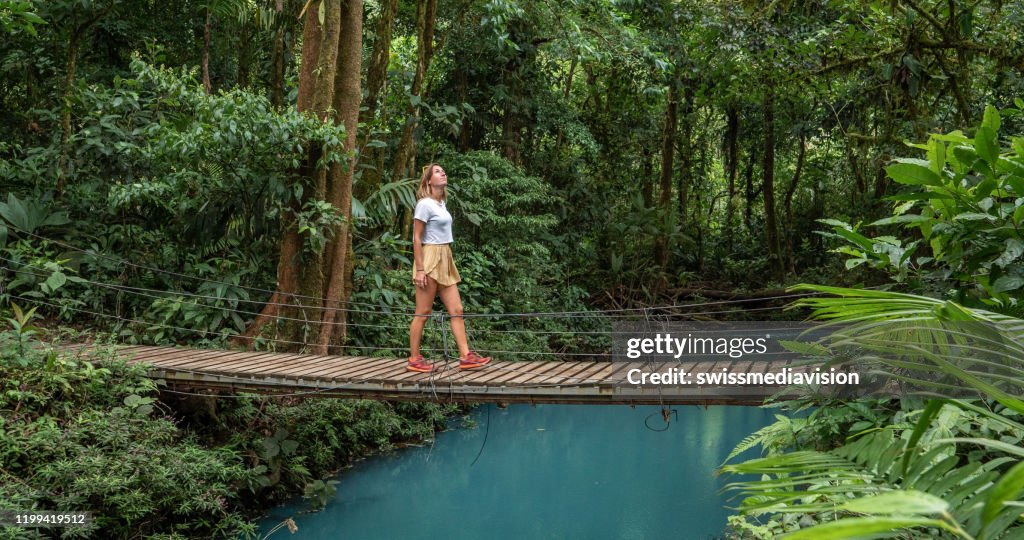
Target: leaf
x: 936, y: 155
x: 288, y: 446
x: 861, y: 527
x: 898, y: 502
x: 987, y: 145
x: 974, y: 216
x: 835, y: 223
x: 930, y: 411
x: 14, y: 213
x: 991, y: 118
x: 913, y: 174
x: 1006, y: 489
x: 270, y: 448
x: 322, y: 11
x: 919, y: 196
x: 1014, y: 249
x: 56, y: 281
x: 56, y: 219
x: 905, y: 218
x: 1007, y: 283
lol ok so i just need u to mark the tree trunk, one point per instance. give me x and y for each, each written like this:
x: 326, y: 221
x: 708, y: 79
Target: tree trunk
x: 662, y: 247
x: 377, y: 73
x: 748, y: 190
x: 426, y: 12
x: 207, y: 86
x: 768, y: 173
x: 74, y: 42
x: 277, y: 63
x: 732, y: 162
x: 788, y: 203
x: 244, y: 56
x: 347, y: 95
x: 376, y: 83
x: 300, y: 275
x: 647, y: 173
x: 686, y: 153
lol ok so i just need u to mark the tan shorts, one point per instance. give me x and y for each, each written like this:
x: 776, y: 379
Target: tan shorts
x: 438, y: 263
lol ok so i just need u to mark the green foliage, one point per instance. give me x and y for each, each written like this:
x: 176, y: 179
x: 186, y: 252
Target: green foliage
x: 950, y: 469
x: 18, y: 15
x: 76, y: 435
x: 963, y: 217
x: 316, y: 223
x: 506, y: 219
x: 28, y: 216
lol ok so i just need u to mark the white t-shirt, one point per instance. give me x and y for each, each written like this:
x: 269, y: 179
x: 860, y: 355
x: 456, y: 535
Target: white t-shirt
x: 438, y: 221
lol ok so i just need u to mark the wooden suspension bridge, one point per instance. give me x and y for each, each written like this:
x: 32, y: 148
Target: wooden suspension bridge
x: 584, y: 382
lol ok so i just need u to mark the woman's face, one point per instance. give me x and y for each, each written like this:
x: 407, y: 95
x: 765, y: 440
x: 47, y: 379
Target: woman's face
x: 438, y: 178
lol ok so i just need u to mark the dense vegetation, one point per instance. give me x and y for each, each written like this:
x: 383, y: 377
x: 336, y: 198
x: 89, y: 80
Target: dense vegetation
x: 242, y: 174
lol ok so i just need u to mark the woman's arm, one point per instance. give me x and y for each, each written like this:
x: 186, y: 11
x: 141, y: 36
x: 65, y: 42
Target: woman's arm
x: 420, y: 278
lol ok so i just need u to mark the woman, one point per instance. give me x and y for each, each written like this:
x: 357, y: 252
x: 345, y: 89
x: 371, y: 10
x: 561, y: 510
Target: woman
x: 434, y: 271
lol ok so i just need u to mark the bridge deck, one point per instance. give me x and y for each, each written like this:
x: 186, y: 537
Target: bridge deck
x: 186, y: 369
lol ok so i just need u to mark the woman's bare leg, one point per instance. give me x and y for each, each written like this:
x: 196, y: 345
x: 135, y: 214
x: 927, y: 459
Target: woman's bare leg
x: 453, y: 303
x: 424, y: 305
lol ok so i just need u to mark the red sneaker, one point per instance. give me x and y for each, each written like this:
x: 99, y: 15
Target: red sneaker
x: 419, y: 365
x: 473, y: 361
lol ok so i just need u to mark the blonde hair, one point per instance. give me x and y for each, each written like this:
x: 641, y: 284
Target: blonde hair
x: 425, y: 190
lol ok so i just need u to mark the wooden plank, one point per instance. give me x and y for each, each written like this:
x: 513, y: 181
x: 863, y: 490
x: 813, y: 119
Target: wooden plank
x: 182, y: 356
x: 382, y: 366
x: 330, y: 364
x: 295, y: 367
x: 619, y: 376
x: 591, y: 375
x: 152, y: 354
x: 327, y: 365
x: 277, y: 363
x: 414, y: 377
x: 611, y: 375
x: 490, y: 374
x: 176, y: 358
x: 583, y: 377
x: 525, y: 371
x: 211, y: 362
x: 565, y: 366
x: 349, y: 369
x: 342, y: 368
x: 397, y: 368
x: 281, y: 366
x: 253, y: 362
x: 356, y: 371
x: 573, y: 377
x: 243, y: 367
x: 559, y: 377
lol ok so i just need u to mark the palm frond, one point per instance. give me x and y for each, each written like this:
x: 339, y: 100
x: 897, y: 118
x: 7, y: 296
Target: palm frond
x: 893, y: 479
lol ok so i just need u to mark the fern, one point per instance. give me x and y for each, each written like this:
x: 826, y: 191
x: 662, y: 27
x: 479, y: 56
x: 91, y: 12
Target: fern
x: 893, y: 479
x: 771, y: 436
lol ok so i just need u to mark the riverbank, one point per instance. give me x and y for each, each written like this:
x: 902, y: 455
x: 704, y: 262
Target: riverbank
x: 146, y: 463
